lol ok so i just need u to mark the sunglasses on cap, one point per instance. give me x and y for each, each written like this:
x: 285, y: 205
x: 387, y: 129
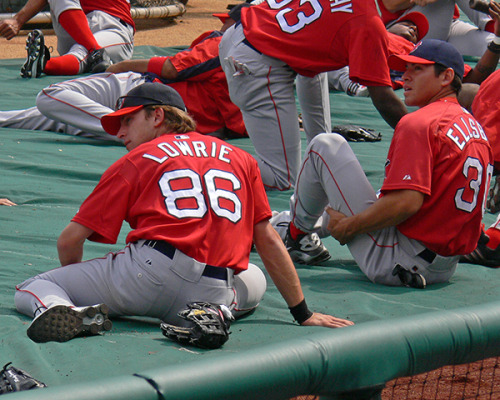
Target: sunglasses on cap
x: 134, y: 101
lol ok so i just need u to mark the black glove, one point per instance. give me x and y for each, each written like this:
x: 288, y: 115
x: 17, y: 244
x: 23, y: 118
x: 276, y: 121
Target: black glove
x: 211, y: 326
x: 354, y: 133
x: 13, y: 379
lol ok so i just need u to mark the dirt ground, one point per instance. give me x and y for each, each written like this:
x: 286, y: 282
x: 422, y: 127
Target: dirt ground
x: 155, y: 32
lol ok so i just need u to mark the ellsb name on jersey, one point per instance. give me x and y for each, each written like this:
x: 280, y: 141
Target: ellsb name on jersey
x: 463, y: 131
x: 190, y: 149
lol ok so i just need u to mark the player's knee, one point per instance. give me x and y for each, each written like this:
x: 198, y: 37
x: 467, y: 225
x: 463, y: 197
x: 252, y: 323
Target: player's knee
x: 250, y: 286
x: 44, y: 100
x: 331, y: 142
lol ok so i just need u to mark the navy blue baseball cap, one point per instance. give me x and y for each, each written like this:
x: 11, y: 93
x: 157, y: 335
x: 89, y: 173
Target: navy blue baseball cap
x: 147, y: 94
x: 430, y: 51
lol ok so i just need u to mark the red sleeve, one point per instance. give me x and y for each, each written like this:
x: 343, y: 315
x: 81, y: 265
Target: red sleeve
x: 106, y: 207
x: 199, y: 62
x: 386, y: 15
x: 368, y: 53
x: 409, y: 162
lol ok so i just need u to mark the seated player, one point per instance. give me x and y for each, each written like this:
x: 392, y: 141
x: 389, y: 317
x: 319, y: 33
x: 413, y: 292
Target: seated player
x: 407, y: 236
x: 175, y: 188
x: 91, y: 34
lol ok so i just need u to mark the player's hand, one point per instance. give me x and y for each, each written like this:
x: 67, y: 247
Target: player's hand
x: 9, y: 28
x: 7, y: 202
x: 328, y: 321
x: 337, y: 226
x: 495, y: 14
x: 115, y: 68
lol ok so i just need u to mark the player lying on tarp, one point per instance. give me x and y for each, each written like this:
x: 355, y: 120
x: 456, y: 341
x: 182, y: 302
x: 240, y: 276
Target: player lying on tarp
x: 75, y: 106
x: 175, y: 188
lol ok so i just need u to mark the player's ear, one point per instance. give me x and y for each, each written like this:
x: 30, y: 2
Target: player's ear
x: 447, y: 76
x: 159, y: 116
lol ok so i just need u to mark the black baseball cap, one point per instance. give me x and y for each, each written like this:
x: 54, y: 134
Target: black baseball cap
x: 430, y: 51
x: 147, y: 94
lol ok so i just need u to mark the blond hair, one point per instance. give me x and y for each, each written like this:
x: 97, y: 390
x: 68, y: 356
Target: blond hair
x: 176, y: 120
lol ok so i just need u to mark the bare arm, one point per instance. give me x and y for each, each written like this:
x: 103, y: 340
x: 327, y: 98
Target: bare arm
x: 168, y: 71
x: 489, y: 60
x: 282, y: 271
x: 389, y: 210
x: 70, y: 243
x: 388, y: 104
x: 11, y: 27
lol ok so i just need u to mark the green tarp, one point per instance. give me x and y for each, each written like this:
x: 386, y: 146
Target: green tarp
x: 50, y: 174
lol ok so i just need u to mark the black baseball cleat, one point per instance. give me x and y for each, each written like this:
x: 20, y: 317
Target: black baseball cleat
x: 98, y: 61
x: 306, y: 249
x: 483, y: 255
x: 409, y: 278
x: 37, y: 57
x: 62, y: 323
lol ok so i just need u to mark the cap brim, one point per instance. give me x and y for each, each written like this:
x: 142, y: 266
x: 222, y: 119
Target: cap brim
x: 111, y: 122
x: 419, y: 19
x: 223, y: 16
x: 398, y: 62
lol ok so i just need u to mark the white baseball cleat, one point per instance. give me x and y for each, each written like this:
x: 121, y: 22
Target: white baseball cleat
x: 62, y: 323
x: 306, y: 249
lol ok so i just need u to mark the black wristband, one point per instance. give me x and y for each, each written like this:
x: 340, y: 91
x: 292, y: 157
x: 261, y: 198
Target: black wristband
x: 494, y: 48
x: 301, y: 312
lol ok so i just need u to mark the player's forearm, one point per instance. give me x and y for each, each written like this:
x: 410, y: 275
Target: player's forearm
x: 388, y: 104
x: 70, y: 243
x: 278, y: 263
x: 390, y: 210
x: 489, y: 60
x: 30, y: 9
x: 129, y: 65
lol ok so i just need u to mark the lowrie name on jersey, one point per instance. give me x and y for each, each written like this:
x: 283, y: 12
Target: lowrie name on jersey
x: 191, y: 149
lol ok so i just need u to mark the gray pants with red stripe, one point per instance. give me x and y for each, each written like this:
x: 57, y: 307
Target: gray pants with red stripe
x: 331, y: 175
x: 75, y: 106
x: 141, y: 281
x: 114, y: 35
x: 263, y: 88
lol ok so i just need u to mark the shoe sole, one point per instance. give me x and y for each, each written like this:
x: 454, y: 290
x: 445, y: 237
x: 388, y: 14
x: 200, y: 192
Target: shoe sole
x: 35, y: 60
x: 299, y: 257
x: 62, y: 323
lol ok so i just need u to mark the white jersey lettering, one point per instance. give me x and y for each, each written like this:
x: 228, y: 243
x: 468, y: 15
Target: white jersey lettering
x: 200, y: 149
x: 169, y: 149
x: 462, y: 133
x: 224, y: 151
x: 190, y: 149
x: 456, y: 140
x: 184, y: 148
x: 341, y: 6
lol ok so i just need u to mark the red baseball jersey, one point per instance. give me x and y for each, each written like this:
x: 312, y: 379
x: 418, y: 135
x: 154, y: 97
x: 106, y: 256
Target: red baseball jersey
x: 314, y: 36
x: 486, y: 109
x: 200, y: 76
x: 118, y: 8
x: 197, y: 193
x: 441, y: 151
